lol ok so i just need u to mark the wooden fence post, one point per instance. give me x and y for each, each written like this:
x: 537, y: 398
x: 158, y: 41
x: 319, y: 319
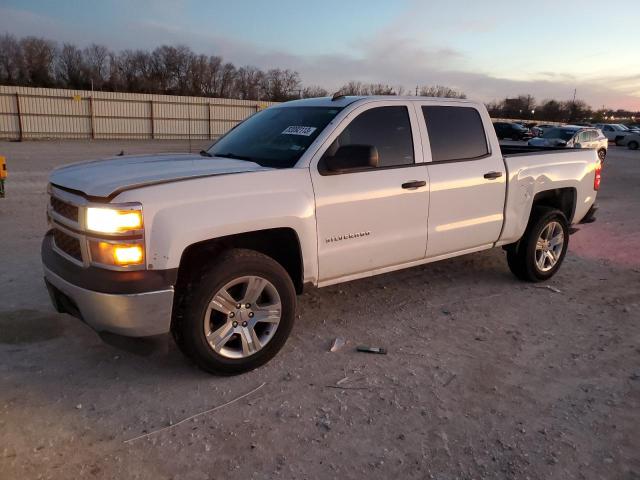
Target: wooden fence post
x: 209, y: 119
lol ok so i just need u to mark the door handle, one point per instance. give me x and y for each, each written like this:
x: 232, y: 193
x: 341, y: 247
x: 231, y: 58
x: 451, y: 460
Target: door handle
x: 413, y: 184
x: 492, y: 175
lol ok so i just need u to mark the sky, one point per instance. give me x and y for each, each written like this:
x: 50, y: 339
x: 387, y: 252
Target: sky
x: 490, y: 49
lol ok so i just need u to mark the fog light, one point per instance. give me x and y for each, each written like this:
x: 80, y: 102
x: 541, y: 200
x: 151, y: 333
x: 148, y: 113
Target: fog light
x: 117, y: 254
x: 128, y: 255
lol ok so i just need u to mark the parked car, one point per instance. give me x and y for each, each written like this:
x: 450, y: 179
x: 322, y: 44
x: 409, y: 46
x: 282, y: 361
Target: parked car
x: 514, y: 131
x: 573, y: 136
x: 613, y: 131
x: 632, y: 142
x: 214, y: 247
x: 538, y: 130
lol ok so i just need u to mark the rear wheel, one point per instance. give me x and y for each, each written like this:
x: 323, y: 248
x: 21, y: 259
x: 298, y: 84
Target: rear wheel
x: 541, y: 250
x: 633, y: 145
x: 239, y: 315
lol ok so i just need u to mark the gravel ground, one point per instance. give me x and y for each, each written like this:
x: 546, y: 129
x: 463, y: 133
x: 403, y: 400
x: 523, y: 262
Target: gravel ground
x: 486, y: 377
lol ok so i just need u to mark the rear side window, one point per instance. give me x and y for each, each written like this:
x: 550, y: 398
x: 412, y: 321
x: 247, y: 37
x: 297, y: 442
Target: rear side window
x: 455, y: 133
x: 386, y: 128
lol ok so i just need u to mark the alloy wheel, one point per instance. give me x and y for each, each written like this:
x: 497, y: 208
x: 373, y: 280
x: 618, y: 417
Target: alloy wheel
x: 549, y: 246
x: 242, y: 317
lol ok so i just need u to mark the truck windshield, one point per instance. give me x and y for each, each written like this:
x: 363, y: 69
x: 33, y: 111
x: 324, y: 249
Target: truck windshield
x: 560, y: 133
x: 276, y: 137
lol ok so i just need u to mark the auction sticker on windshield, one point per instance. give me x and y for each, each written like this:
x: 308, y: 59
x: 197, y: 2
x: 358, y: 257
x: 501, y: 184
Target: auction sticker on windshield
x: 298, y: 130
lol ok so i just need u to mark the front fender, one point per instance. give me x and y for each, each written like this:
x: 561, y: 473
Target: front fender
x: 180, y: 214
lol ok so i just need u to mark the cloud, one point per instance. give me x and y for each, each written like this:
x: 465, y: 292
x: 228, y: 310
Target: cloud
x: 392, y: 55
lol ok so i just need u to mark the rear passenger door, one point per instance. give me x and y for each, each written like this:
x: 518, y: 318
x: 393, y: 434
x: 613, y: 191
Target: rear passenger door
x: 467, y: 178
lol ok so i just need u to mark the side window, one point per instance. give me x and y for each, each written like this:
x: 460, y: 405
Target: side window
x: 388, y: 129
x: 455, y: 133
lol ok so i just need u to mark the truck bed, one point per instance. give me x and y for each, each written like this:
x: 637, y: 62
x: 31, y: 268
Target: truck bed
x: 511, y: 150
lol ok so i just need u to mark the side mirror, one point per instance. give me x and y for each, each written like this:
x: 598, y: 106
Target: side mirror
x: 352, y: 157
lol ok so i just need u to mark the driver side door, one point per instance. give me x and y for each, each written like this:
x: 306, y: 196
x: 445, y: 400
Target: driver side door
x: 372, y: 218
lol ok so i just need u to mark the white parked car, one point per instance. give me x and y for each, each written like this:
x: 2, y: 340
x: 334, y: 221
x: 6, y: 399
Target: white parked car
x: 632, y: 142
x: 615, y: 132
x: 572, y: 136
x: 315, y: 192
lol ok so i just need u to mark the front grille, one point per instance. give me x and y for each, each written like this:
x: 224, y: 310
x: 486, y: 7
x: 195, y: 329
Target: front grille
x: 65, y: 209
x: 68, y: 244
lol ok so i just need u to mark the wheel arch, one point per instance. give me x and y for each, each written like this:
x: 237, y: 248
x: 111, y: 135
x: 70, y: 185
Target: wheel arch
x: 564, y: 199
x: 281, y: 244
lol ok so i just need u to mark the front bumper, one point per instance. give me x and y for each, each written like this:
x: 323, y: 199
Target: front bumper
x: 131, y: 311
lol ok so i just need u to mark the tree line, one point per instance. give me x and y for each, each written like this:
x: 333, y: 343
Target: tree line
x: 526, y: 107
x: 173, y: 70
x: 177, y: 70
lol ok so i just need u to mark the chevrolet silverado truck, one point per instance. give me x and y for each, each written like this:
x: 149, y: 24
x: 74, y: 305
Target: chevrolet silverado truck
x: 213, y: 247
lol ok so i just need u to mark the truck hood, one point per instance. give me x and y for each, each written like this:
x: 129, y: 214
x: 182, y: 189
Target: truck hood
x: 105, y: 178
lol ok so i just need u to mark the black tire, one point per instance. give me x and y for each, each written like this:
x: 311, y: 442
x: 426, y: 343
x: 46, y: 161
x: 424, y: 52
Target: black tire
x: 632, y: 145
x: 618, y: 141
x: 521, y: 256
x: 188, y: 327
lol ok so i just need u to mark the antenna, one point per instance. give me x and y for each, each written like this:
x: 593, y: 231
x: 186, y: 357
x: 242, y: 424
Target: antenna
x: 337, y: 96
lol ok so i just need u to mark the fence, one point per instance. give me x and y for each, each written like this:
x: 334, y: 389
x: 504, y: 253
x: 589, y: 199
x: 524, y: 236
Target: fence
x: 43, y: 113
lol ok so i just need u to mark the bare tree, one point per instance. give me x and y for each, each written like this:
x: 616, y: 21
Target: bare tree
x: 314, y: 92
x: 247, y: 84
x: 11, y: 61
x: 96, y: 62
x: 281, y: 85
x: 440, y: 91
x: 38, y: 55
x: 70, y: 67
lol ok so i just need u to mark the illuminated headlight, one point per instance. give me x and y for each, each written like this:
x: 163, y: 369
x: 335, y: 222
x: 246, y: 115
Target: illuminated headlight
x: 113, y: 220
x: 117, y: 254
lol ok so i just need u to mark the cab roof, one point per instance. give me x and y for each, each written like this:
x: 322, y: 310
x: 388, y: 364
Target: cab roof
x: 348, y: 100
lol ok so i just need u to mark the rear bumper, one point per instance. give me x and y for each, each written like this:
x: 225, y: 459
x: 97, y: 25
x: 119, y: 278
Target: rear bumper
x: 129, y: 311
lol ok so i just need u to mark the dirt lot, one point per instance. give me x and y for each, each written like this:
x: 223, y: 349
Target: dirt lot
x: 486, y: 377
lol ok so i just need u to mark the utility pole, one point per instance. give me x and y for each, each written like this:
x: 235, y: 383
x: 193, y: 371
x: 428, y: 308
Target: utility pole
x: 416, y: 90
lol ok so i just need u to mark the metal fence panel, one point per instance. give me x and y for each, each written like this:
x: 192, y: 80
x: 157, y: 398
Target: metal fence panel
x: 40, y: 113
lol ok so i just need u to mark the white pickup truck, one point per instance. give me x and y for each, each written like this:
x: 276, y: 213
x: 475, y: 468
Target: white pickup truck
x: 214, y: 247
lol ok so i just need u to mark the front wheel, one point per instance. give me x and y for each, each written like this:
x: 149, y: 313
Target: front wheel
x: 541, y: 250
x: 239, y: 314
x: 633, y: 145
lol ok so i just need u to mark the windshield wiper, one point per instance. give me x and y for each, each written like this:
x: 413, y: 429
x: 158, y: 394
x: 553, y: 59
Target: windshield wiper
x: 204, y: 153
x: 233, y: 156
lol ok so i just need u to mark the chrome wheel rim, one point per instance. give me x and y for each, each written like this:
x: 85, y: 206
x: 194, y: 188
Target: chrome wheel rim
x: 242, y: 317
x: 549, y: 246
x: 602, y: 154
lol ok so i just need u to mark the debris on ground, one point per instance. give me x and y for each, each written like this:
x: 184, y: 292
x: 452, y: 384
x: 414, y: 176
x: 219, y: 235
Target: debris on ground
x: 549, y: 287
x: 338, y: 343
x: 365, y: 349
